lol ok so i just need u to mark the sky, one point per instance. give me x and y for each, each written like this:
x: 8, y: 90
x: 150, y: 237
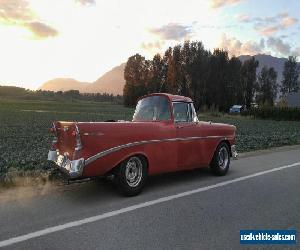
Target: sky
x: 82, y: 39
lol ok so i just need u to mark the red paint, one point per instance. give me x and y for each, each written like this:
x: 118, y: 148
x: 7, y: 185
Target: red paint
x: 165, y: 156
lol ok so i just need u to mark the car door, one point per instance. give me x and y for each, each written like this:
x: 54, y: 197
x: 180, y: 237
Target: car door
x: 188, y: 135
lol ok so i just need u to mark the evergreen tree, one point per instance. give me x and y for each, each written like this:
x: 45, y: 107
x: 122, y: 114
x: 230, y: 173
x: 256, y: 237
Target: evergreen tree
x: 267, y: 86
x: 157, y: 74
x: 248, y: 82
x: 137, y: 76
x: 235, y: 94
x: 290, y: 74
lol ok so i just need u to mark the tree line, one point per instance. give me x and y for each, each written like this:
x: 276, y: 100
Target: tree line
x: 211, y: 79
x: 70, y: 95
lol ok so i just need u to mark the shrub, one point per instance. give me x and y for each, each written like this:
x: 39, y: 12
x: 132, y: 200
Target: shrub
x: 275, y: 113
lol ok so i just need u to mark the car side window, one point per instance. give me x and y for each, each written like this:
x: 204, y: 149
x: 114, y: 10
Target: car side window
x: 182, y: 112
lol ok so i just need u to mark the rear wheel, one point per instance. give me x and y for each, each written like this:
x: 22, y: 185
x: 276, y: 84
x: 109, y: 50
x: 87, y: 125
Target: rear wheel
x: 131, y: 175
x: 221, y: 160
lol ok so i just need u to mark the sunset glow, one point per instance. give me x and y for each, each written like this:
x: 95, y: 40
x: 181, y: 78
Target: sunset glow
x: 82, y: 39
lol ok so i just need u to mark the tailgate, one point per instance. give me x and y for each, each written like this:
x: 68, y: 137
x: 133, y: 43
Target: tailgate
x: 67, y: 135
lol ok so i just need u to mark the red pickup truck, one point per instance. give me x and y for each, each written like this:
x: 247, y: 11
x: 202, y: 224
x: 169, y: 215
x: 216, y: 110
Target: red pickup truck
x: 164, y: 135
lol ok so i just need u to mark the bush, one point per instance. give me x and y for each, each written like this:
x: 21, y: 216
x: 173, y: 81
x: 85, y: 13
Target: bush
x: 275, y: 113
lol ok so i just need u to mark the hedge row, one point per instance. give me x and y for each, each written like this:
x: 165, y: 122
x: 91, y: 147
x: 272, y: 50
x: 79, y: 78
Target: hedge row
x: 275, y: 113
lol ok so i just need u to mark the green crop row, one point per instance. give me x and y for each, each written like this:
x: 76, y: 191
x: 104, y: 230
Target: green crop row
x: 25, y: 137
x: 275, y: 113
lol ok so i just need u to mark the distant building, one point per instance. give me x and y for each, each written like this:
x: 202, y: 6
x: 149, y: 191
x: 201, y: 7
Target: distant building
x: 293, y: 99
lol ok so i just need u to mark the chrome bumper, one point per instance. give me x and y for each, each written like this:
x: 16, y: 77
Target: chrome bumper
x: 234, y: 153
x: 73, y: 169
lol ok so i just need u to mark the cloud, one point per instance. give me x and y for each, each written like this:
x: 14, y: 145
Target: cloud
x: 296, y: 51
x: 268, y: 26
x: 152, y: 45
x: 173, y: 31
x: 278, y: 46
x: 86, y: 2
x: 215, y: 4
x: 18, y: 13
x: 41, y: 30
x: 288, y: 21
x: 244, y: 18
x: 15, y: 11
x: 267, y: 31
x: 236, y: 47
x: 275, y: 44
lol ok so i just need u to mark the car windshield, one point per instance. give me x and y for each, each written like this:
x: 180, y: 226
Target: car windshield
x: 152, y: 108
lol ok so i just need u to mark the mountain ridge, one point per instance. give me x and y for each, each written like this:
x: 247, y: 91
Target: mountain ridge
x: 113, y: 81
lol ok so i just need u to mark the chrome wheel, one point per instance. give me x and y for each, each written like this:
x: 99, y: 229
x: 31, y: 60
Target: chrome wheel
x: 134, y: 171
x: 223, y: 157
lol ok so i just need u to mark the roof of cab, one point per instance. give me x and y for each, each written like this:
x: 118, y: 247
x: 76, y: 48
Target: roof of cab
x: 173, y: 98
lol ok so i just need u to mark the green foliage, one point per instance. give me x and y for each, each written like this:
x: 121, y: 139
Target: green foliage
x: 25, y: 138
x: 249, y: 80
x: 275, y: 113
x: 290, y: 73
x: 10, y: 92
x: 210, y: 79
x: 24, y: 128
x: 137, y: 76
x: 255, y: 134
x: 267, y: 86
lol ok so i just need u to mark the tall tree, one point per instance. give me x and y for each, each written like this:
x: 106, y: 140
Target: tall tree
x: 170, y: 72
x: 137, y: 76
x: 235, y: 93
x: 180, y: 83
x: 290, y: 74
x: 195, y: 65
x: 157, y: 74
x: 218, y: 79
x: 267, y: 86
x: 211, y: 79
x: 249, y: 80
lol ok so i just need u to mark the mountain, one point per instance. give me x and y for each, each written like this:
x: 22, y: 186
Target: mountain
x: 64, y: 84
x: 269, y: 61
x: 111, y: 82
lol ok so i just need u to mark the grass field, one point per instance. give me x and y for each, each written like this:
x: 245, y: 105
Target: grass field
x: 25, y: 137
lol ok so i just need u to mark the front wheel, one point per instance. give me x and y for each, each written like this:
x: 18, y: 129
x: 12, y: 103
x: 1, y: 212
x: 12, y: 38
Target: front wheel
x: 221, y: 160
x: 131, y: 175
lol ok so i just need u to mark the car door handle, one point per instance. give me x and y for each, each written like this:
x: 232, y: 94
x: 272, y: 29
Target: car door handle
x: 180, y: 126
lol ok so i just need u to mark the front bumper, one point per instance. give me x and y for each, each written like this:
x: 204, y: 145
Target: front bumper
x: 73, y: 169
x: 234, y: 153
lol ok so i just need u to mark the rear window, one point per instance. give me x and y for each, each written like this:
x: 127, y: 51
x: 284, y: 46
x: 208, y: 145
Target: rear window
x: 152, y: 108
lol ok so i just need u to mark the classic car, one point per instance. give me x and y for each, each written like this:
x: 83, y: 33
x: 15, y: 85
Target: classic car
x: 164, y: 135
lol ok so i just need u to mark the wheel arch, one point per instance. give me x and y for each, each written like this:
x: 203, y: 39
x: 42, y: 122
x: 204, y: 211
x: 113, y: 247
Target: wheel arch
x: 228, y: 144
x: 217, y: 145
x: 139, y: 154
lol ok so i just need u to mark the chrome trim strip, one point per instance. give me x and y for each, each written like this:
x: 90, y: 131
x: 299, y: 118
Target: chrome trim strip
x: 78, y: 138
x: 131, y: 144
x: 73, y: 169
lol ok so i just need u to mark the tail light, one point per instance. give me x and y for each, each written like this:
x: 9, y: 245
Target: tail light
x: 54, y: 131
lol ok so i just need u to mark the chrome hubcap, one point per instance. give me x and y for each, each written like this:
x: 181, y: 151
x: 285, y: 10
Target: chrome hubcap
x: 223, y: 157
x: 134, y: 171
